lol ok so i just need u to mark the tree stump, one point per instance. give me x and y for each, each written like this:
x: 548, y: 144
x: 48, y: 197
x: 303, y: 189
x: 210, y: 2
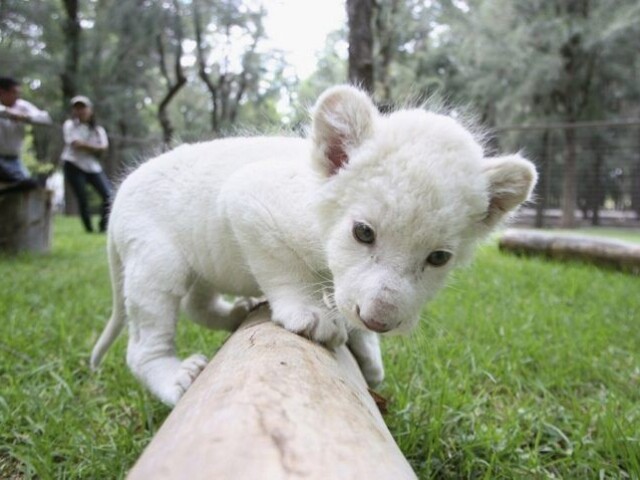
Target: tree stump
x: 25, y: 221
x: 624, y: 256
x: 274, y: 405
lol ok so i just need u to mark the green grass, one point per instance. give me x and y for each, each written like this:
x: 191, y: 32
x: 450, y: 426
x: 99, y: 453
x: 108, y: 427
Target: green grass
x: 523, y: 368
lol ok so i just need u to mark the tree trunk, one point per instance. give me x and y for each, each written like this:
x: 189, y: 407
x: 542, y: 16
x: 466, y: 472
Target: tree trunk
x: 360, y: 18
x: 569, y: 181
x: 579, y: 65
x: 202, y: 66
x: 635, y: 182
x: 635, y: 189
x: 71, y: 29
x: 596, y: 196
x: 543, y: 183
x: 386, y: 36
x: 274, y: 405
x: 173, y: 87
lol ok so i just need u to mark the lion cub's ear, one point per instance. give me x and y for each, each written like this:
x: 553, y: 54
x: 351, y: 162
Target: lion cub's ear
x: 511, y: 180
x: 343, y: 118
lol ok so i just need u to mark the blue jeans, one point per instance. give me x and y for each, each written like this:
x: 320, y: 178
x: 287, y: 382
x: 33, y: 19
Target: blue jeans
x: 78, y: 180
x: 12, y: 169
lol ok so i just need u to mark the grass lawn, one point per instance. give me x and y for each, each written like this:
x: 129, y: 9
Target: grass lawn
x: 522, y: 368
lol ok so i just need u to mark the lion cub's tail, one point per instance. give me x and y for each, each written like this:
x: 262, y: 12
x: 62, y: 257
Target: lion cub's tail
x: 117, y: 320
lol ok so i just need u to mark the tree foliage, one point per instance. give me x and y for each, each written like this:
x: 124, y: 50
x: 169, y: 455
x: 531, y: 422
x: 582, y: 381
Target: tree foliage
x: 204, y: 65
x: 183, y: 68
x: 533, y: 62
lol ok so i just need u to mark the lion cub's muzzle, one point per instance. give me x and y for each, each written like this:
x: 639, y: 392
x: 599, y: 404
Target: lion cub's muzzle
x: 378, y: 315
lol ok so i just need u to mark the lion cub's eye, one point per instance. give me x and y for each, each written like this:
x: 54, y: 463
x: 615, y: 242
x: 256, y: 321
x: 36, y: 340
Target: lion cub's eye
x: 363, y: 233
x: 438, y: 258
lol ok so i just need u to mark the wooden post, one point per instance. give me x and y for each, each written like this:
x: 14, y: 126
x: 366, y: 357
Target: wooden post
x: 273, y: 405
x: 25, y: 221
x: 615, y: 254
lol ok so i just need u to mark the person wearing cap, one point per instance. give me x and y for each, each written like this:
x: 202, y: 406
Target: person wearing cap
x: 14, y: 114
x: 84, y: 143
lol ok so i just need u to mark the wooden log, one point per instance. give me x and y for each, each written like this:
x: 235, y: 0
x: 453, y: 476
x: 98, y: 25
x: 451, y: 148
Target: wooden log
x: 624, y: 256
x: 25, y: 221
x: 273, y: 405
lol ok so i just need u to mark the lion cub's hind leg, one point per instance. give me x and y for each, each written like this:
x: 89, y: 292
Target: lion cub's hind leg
x: 152, y: 310
x: 210, y: 309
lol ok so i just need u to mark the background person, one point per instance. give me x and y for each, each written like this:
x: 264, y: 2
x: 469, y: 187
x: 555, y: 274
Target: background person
x: 14, y: 114
x: 84, y: 142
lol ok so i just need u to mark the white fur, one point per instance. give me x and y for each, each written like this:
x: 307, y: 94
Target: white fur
x: 275, y: 217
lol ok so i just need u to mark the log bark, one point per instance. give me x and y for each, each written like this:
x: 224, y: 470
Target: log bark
x: 26, y: 221
x: 274, y: 405
x: 615, y: 254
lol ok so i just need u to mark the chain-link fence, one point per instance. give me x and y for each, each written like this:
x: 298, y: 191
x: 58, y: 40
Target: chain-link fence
x: 589, y: 172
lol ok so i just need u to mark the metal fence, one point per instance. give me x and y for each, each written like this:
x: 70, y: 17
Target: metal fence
x: 589, y: 172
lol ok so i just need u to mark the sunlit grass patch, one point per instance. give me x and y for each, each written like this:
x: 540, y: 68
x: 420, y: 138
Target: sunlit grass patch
x: 524, y: 367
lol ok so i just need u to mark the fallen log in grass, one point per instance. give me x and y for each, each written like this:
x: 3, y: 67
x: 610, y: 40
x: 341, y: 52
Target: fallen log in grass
x: 273, y: 405
x: 615, y: 254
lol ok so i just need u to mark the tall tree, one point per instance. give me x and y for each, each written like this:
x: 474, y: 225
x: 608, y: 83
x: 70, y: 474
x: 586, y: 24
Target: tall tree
x: 227, y: 37
x: 172, y: 34
x: 360, y: 14
x: 578, y: 68
x: 72, y: 31
x: 386, y: 33
x: 121, y: 64
x: 544, y: 61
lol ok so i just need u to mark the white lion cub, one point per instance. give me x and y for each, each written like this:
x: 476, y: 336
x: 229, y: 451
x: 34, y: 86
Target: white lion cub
x: 347, y: 233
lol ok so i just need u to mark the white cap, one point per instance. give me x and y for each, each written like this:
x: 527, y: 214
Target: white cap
x: 81, y: 99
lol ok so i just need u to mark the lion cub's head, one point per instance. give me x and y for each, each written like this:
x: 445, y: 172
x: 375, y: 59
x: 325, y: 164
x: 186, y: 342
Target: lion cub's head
x: 404, y: 198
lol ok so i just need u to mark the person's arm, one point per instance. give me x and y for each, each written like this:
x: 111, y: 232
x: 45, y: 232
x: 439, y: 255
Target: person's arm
x: 13, y: 113
x: 72, y: 135
x: 97, y: 147
x: 27, y: 112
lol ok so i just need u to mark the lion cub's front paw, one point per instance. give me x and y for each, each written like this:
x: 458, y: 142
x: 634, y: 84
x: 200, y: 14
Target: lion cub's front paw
x: 373, y: 372
x: 314, y: 323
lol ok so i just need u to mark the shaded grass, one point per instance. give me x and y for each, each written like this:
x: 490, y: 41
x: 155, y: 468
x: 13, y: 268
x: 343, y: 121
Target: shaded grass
x: 523, y: 368
x: 58, y: 419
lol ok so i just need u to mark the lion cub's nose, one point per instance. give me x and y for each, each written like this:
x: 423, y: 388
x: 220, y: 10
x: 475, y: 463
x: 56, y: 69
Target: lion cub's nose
x: 372, y: 324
